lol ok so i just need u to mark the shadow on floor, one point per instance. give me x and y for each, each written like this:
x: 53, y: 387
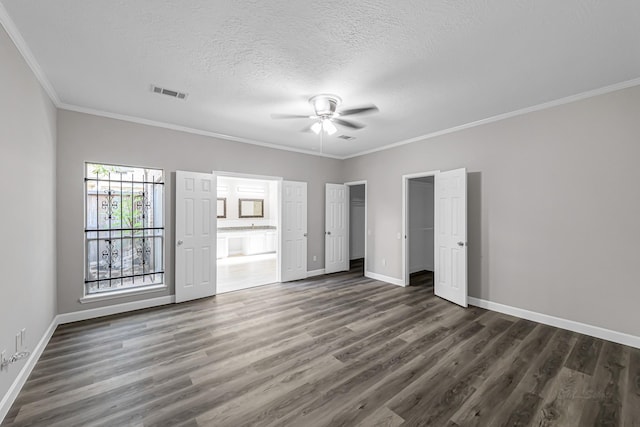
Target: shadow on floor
x: 421, y: 278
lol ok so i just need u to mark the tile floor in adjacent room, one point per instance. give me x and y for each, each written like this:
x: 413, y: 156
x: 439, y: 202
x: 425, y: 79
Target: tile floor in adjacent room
x: 242, y: 272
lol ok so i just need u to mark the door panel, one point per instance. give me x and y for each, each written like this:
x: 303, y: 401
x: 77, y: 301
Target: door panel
x: 294, y: 230
x: 336, y: 228
x: 450, y: 281
x: 195, y: 263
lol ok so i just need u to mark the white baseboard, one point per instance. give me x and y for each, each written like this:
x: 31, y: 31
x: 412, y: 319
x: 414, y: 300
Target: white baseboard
x: 313, y: 273
x: 383, y: 278
x: 76, y: 316
x: 558, y: 322
x: 18, y: 383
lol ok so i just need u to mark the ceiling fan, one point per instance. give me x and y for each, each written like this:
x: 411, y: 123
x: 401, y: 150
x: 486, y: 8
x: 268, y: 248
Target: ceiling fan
x: 326, y: 114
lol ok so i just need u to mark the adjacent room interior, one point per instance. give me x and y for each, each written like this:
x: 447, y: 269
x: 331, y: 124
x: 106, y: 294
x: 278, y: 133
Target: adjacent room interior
x: 247, y: 238
x: 407, y: 231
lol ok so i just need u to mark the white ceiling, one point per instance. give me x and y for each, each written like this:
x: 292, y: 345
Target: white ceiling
x: 428, y: 65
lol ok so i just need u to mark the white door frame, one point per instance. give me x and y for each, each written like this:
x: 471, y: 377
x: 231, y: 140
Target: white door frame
x: 405, y: 221
x: 279, y: 180
x: 366, y: 218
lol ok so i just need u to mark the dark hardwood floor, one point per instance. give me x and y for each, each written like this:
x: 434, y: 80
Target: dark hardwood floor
x: 335, y: 350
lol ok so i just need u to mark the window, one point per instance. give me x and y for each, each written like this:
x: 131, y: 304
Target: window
x: 124, y: 228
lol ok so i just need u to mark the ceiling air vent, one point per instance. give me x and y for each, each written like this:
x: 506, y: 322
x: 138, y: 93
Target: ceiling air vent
x: 347, y: 137
x: 168, y: 92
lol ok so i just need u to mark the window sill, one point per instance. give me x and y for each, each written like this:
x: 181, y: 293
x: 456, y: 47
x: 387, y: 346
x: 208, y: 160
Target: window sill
x: 122, y: 293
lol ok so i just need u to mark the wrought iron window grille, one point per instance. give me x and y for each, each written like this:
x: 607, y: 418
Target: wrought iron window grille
x: 124, y: 231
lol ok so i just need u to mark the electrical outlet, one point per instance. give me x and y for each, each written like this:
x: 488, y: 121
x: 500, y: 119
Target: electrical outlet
x: 18, y: 342
x: 384, y: 262
x: 23, y: 338
x: 315, y: 258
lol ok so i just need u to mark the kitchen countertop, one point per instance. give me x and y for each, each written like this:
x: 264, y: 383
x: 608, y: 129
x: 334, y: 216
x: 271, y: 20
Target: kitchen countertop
x: 247, y: 228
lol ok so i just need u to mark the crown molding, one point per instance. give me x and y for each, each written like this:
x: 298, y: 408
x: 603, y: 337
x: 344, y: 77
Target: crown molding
x: 499, y: 117
x: 171, y: 126
x: 21, y: 45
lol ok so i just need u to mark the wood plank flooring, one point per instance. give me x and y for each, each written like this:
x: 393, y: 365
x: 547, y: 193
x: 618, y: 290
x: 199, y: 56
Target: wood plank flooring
x: 335, y: 350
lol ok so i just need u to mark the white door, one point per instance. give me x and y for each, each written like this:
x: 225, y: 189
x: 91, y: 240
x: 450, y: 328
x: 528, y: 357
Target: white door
x: 294, y: 231
x: 336, y: 228
x: 450, y: 281
x: 195, y: 235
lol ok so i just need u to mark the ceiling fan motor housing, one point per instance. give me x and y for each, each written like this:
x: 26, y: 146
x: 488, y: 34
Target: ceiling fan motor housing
x: 325, y: 105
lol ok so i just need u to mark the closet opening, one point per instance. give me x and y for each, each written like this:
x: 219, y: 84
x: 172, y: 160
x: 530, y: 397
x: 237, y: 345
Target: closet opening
x: 357, y: 227
x: 420, y: 230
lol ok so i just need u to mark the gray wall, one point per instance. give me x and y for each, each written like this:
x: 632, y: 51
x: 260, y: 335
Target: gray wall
x: 28, y: 215
x: 553, y: 207
x: 83, y: 137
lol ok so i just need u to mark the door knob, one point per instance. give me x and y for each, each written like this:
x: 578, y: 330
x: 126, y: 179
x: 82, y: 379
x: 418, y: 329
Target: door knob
x: 460, y: 243
x: 305, y: 234
x: 180, y: 242
x: 328, y: 233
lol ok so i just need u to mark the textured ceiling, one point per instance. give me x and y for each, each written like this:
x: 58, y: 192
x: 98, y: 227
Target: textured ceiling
x: 428, y: 65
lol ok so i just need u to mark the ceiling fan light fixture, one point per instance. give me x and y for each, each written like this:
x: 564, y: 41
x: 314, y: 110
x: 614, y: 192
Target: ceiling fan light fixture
x: 329, y: 127
x: 326, y: 115
x: 316, y: 127
x: 325, y: 105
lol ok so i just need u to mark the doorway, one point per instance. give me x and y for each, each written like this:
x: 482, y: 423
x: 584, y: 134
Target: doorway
x: 357, y: 227
x: 420, y: 236
x: 248, y: 214
x: 196, y: 239
x: 438, y: 201
x: 346, y: 227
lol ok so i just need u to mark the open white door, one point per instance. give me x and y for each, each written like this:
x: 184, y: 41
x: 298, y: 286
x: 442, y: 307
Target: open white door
x: 294, y: 231
x: 195, y: 235
x: 336, y: 230
x: 450, y: 281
